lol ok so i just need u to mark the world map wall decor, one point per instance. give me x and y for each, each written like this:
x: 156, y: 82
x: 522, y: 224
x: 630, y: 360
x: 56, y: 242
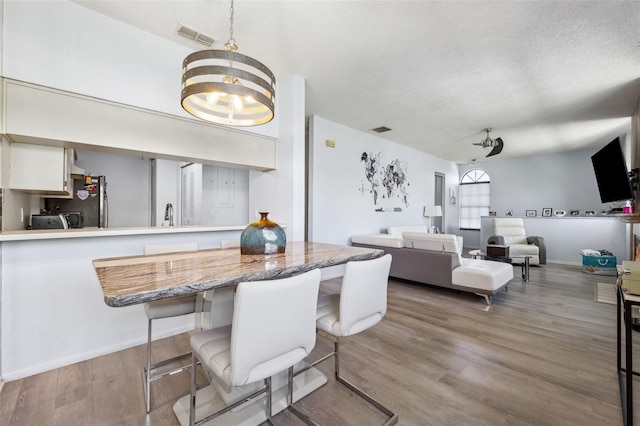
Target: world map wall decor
x: 386, y: 183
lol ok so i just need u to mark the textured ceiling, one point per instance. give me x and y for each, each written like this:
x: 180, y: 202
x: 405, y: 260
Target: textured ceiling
x: 547, y: 76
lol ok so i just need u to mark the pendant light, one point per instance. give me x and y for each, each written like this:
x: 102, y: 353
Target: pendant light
x: 227, y: 87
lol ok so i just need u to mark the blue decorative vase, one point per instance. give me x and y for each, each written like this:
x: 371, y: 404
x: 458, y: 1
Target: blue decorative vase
x: 263, y: 237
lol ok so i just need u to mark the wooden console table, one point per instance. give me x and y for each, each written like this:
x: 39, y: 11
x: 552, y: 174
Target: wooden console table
x: 626, y: 302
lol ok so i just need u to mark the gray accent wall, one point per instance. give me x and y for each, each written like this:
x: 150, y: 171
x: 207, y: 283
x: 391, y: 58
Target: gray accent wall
x: 561, y: 181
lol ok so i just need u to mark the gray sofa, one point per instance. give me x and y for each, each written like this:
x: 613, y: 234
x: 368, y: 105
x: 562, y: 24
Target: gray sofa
x: 435, y: 259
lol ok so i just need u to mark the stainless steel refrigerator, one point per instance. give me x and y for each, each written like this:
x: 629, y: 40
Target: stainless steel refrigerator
x: 89, y: 198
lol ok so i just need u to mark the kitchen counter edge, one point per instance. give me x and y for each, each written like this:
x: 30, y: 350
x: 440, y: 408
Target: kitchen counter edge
x: 55, y: 234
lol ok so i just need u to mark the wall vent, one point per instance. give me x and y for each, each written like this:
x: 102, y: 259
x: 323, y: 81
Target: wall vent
x: 196, y: 36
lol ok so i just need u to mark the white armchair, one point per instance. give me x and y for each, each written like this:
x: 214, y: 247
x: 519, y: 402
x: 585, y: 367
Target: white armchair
x: 509, y: 231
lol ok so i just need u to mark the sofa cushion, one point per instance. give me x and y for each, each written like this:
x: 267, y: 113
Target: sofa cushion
x: 398, y: 230
x: 514, y: 239
x: 482, y: 274
x: 383, y: 240
x: 447, y: 243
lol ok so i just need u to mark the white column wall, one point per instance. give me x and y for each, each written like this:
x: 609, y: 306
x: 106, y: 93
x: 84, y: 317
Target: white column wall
x: 282, y: 191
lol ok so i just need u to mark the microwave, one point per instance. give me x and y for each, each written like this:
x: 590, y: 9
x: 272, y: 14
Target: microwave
x: 74, y: 219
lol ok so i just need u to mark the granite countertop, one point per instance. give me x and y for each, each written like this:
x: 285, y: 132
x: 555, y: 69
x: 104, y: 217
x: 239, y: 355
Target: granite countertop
x: 137, y: 279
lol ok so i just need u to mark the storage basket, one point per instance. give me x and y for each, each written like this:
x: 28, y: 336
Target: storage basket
x: 600, y: 265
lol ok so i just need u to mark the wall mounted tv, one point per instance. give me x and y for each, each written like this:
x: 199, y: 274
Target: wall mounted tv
x: 612, y: 174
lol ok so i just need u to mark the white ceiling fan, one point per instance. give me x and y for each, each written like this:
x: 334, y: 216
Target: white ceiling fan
x: 496, y: 144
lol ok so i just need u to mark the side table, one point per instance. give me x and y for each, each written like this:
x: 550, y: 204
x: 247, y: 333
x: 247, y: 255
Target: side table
x: 479, y: 254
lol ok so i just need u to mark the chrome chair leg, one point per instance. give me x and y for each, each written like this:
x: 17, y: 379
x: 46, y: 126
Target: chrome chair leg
x: 147, y: 372
x: 393, y: 417
x: 302, y: 416
x: 267, y: 383
x: 192, y: 407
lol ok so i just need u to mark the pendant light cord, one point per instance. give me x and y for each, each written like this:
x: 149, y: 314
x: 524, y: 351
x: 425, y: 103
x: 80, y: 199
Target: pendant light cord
x: 232, y: 41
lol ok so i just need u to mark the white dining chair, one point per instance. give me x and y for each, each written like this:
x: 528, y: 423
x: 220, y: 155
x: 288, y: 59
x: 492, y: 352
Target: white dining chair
x: 273, y: 328
x: 361, y: 304
x: 160, y: 309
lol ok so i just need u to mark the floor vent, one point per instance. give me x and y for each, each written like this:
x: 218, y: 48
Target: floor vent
x: 381, y: 129
x: 196, y: 36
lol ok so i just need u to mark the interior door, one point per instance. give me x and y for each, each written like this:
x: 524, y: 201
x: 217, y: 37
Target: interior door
x: 438, y: 200
x: 191, y: 194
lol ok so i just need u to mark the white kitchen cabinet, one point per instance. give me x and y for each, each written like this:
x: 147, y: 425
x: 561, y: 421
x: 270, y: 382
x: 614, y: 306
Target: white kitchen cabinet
x: 40, y: 169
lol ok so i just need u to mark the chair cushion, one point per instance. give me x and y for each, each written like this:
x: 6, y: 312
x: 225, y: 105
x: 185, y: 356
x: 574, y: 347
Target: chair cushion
x: 523, y: 250
x: 362, y: 301
x: 170, y: 307
x: 482, y: 274
x: 213, y: 348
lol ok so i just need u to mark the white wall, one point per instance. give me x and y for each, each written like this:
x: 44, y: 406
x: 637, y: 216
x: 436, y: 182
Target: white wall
x: 340, y: 204
x: 84, y: 52
x: 128, y: 182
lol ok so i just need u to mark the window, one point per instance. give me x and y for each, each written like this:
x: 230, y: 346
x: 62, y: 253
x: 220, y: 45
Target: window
x: 474, y: 198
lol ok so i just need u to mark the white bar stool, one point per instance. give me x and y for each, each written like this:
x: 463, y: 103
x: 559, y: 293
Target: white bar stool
x: 361, y: 304
x: 165, y: 309
x: 273, y: 328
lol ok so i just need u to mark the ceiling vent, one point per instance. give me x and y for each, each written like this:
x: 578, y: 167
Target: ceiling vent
x: 196, y: 36
x: 381, y: 129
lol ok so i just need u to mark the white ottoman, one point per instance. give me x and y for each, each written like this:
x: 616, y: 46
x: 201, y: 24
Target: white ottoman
x: 484, y: 277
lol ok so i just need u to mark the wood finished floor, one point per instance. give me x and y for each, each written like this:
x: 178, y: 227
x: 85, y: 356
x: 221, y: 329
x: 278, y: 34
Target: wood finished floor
x: 542, y: 354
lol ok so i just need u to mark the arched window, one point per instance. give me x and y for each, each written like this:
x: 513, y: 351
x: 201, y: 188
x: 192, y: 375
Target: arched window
x: 474, y: 198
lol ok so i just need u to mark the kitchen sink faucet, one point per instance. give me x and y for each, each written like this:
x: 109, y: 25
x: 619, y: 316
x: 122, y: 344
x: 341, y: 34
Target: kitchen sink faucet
x: 168, y: 213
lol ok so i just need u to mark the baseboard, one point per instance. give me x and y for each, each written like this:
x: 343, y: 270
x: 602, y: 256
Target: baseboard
x: 26, y: 372
x: 563, y: 262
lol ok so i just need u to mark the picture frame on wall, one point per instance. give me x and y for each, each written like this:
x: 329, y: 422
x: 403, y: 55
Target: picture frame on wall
x: 546, y: 212
x: 531, y: 213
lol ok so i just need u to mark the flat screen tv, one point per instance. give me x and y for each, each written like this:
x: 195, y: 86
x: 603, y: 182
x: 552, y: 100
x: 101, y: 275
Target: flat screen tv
x: 612, y: 174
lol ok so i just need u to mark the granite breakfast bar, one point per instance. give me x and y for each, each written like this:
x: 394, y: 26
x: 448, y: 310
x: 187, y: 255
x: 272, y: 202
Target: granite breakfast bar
x: 137, y: 279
